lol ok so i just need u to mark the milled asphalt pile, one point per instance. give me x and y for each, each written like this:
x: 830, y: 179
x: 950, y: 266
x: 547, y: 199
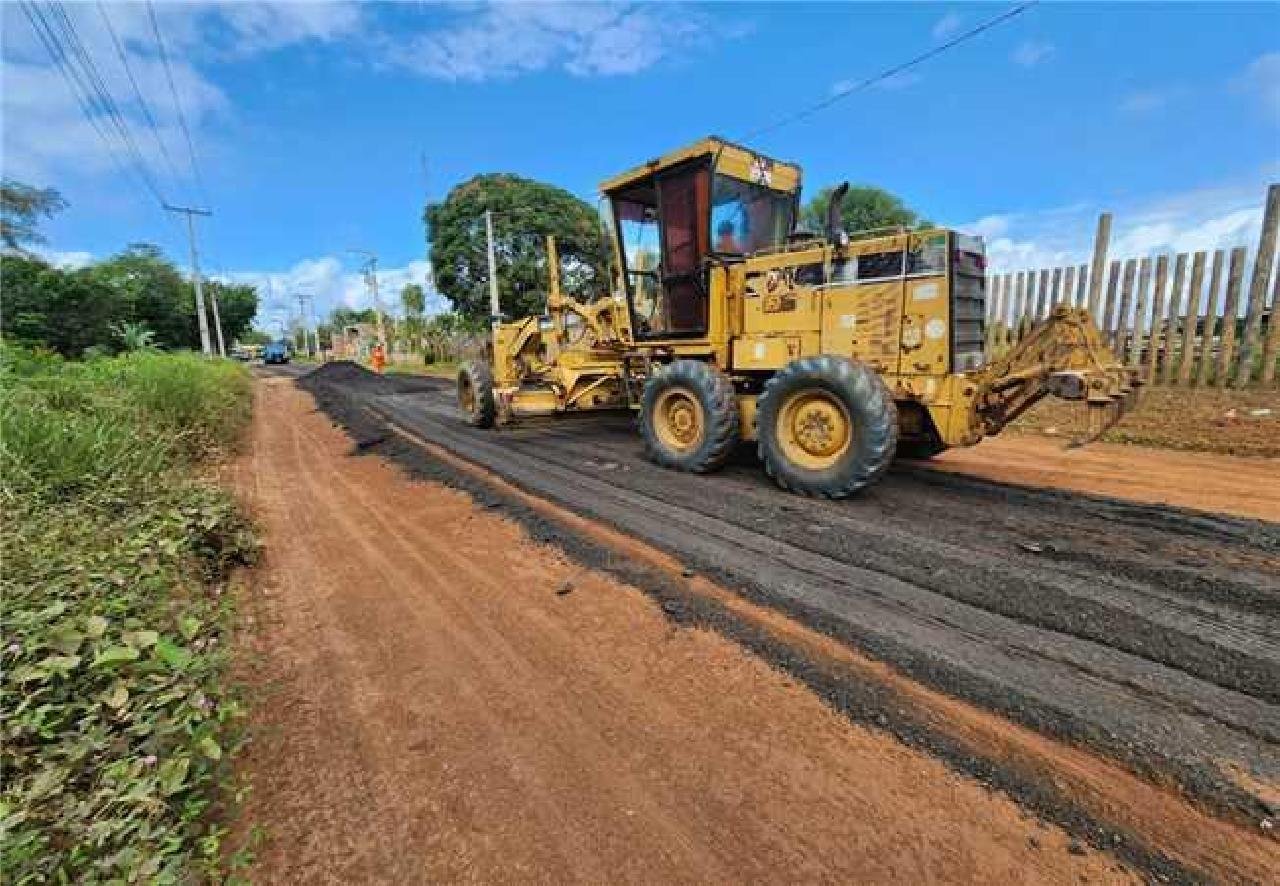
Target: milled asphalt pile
x: 1148, y: 633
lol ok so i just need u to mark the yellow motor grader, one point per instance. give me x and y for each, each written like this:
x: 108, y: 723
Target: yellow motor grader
x: 728, y: 324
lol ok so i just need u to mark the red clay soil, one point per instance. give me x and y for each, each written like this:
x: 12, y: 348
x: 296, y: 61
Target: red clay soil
x: 445, y: 700
x: 1242, y: 486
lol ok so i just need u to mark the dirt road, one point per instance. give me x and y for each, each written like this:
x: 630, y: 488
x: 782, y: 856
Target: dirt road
x: 1145, y: 634
x: 443, y: 700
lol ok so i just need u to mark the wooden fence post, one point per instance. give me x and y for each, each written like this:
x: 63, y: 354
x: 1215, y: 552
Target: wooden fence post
x: 1011, y: 328
x: 1055, y: 291
x: 1262, y: 260
x: 1210, y: 319
x: 1171, y: 317
x: 1016, y: 306
x: 993, y: 315
x: 1273, y: 334
x: 1100, y: 242
x: 1157, y: 316
x: 1082, y: 286
x: 1042, y: 297
x: 1068, y: 284
x: 1126, y: 302
x: 1108, y: 322
x: 1140, y: 313
x: 1028, y: 305
x: 1230, y: 318
x: 1191, y: 318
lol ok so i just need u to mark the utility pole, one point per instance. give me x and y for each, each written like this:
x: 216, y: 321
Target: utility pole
x: 311, y: 319
x: 495, y: 306
x: 217, y: 321
x: 203, y: 321
x: 371, y: 280
x: 302, y: 320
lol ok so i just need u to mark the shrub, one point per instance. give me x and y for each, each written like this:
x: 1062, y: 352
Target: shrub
x: 117, y: 716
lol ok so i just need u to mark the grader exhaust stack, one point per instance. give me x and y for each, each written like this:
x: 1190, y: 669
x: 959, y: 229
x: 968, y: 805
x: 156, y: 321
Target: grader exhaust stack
x: 724, y: 324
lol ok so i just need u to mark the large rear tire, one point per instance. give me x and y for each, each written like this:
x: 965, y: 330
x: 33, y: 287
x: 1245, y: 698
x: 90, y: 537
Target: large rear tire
x: 689, y: 417
x: 475, y: 394
x: 828, y: 427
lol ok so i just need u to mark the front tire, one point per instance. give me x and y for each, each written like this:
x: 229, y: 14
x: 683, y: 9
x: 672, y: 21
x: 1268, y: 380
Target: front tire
x: 689, y: 417
x: 475, y: 394
x: 828, y: 427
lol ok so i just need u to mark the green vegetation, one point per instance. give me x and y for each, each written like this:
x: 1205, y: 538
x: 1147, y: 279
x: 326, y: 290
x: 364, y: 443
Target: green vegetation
x: 21, y: 207
x: 864, y: 208
x: 117, y: 555
x: 73, y: 311
x: 79, y: 312
x: 524, y: 213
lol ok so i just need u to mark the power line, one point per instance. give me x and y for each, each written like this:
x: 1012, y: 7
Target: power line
x: 82, y: 92
x: 891, y: 72
x: 177, y: 103
x: 105, y: 100
x: 137, y: 92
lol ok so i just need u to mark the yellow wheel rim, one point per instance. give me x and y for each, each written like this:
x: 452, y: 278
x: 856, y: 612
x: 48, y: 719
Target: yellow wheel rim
x: 814, y: 429
x: 678, y: 420
x: 466, y: 395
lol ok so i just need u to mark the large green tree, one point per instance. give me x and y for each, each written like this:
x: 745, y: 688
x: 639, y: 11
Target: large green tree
x: 21, y: 207
x: 413, y: 299
x: 66, y: 311
x: 524, y: 213
x: 864, y: 208
x: 154, y: 294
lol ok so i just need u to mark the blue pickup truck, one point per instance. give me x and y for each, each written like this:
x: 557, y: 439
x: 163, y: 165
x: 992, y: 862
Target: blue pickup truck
x: 276, y: 352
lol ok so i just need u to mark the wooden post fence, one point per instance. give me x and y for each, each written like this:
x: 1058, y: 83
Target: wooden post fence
x: 1177, y: 328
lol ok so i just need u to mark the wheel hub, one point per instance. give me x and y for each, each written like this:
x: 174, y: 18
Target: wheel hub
x: 815, y: 429
x: 818, y: 429
x: 679, y: 420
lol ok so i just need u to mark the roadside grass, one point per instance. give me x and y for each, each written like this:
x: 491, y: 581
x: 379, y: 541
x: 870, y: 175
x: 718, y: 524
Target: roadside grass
x: 118, y: 719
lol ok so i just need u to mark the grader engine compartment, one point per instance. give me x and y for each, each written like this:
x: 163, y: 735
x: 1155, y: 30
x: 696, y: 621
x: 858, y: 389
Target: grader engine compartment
x: 832, y: 351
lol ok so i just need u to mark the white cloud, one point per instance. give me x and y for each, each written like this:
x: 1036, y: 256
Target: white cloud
x: 1202, y: 219
x: 947, y: 26
x: 507, y: 39
x: 70, y: 260
x: 332, y: 284
x: 1262, y: 78
x: 260, y: 27
x: 46, y: 135
x: 1030, y: 53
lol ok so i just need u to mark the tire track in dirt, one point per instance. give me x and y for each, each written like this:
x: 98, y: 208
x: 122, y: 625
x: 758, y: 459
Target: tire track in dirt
x: 397, y: 742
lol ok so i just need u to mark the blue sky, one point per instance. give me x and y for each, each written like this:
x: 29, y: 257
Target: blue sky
x: 312, y: 122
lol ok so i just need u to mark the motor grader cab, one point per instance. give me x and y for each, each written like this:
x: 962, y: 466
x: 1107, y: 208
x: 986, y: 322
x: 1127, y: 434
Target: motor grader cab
x: 831, y: 352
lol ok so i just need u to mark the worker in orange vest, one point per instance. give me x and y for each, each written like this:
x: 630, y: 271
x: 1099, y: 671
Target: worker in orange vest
x: 378, y: 358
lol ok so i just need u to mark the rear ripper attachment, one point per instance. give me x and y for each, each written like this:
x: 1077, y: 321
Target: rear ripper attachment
x: 1064, y: 357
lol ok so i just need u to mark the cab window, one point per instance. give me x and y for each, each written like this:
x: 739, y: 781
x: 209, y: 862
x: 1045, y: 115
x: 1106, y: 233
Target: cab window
x: 747, y: 218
